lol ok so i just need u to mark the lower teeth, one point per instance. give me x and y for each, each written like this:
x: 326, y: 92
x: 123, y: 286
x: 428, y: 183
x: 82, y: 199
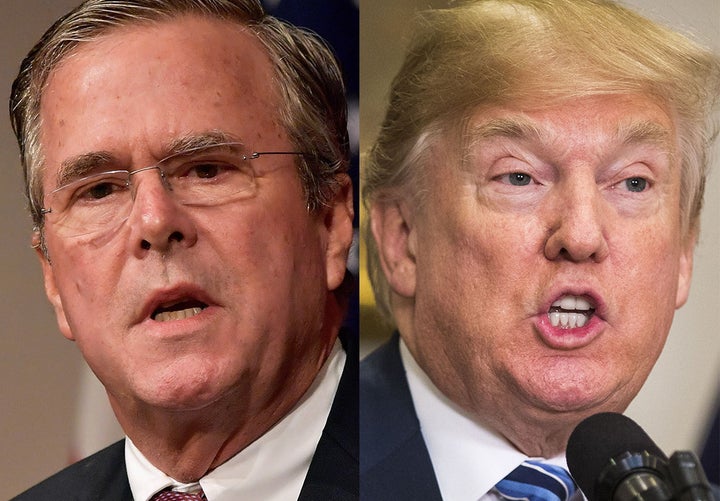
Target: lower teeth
x: 567, y: 320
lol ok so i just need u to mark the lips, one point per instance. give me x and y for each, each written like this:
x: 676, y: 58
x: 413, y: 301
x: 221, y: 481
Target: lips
x: 177, y: 303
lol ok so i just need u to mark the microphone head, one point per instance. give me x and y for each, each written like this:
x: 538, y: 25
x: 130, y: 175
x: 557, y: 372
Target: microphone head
x: 598, y: 442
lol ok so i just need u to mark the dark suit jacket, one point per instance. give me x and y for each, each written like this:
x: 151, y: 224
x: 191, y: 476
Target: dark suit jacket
x: 394, y: 462
x: 333, y: 473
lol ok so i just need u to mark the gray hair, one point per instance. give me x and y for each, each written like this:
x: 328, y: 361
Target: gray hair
x: 309, y: 82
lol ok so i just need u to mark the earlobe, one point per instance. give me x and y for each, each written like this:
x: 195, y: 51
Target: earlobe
x: 51, y: 290
x: 685, y: 272
x: 338, y: 224
x: 392, y: 229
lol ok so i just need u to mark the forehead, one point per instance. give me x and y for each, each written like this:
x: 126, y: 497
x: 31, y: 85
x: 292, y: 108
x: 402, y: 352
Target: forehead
x: 600, y: 122
x: 603, y: 113
x: 147, y: 84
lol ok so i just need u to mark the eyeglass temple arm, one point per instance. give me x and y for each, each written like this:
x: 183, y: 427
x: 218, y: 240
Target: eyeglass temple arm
x: 257, y: 154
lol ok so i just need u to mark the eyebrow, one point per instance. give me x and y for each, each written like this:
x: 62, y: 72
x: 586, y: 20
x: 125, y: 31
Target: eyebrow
x: 644, y: 132
x: 82, y: 165
x: 628, y: 134
x: 517, y: 128
x: 512, y: 128
x: 190, y: 143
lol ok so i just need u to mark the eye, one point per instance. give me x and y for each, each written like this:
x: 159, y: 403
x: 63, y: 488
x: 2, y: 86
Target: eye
x: 516, y: 179
x: 208, y: 169
x: 636, y: 184
x: 99, y: 189
x: 205, y: 170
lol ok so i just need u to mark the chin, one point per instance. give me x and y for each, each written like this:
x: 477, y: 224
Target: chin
x: 182, y: 399
x: 186, y: 390
x: 573, y: 401
x: 577, y: 392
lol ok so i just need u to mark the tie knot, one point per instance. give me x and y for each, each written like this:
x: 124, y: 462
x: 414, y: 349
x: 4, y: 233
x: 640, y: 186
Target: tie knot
x: 170, y: 495
x: 536, y: 481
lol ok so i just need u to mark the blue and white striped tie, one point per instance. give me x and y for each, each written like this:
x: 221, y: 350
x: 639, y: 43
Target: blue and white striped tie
x: 536, y: 481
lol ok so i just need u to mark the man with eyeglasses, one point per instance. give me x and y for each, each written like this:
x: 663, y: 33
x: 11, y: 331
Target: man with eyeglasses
x: 186, y: 170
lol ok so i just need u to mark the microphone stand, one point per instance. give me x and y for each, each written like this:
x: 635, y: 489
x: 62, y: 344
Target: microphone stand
x: 688, y: 478
x: 645, y: 477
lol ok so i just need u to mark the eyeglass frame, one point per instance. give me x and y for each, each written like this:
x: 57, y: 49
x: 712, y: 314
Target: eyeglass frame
x: 245, y: 157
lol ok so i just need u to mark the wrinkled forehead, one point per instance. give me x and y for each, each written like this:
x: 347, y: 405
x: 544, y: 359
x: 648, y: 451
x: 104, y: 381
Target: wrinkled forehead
x: 156, y: 82
x: 627, y: 118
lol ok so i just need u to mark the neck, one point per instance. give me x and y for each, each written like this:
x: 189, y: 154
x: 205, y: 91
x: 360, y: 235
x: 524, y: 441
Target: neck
x: 544, y: 441
x: 186, y: 445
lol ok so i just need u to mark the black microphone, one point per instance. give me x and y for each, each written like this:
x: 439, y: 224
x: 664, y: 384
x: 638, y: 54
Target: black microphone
x: 612, y: 459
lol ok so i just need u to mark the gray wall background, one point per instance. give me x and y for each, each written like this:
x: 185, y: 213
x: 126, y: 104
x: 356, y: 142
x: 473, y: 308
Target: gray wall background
x: 41, y: 371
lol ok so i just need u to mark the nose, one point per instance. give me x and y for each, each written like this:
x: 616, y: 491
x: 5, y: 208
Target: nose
x: 157, y: 221
x: 578, y: 223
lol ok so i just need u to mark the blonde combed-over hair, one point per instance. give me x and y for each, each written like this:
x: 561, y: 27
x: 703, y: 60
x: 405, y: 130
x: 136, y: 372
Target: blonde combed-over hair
x: 532, y: 53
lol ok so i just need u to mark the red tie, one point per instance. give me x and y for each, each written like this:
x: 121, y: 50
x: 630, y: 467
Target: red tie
x: 169, y: 495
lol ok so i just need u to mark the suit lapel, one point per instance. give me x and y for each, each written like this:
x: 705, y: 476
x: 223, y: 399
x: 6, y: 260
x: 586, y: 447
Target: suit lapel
x: 101, y: 476
x: 394, y: 461
x: 109, y: 480
x: 333, y: 473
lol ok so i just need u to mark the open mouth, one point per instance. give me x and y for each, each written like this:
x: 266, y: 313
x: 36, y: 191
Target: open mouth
x: 178, y: 310
x: 570, y: 312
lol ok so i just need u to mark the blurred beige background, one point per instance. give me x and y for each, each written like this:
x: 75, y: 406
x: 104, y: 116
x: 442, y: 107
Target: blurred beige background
x: 674, y: 405
x: 41, y: 371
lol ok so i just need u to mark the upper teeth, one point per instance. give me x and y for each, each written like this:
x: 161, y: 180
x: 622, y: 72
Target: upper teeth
x: 572, y: 303
x: 575, y: 312
x: 177, y: 315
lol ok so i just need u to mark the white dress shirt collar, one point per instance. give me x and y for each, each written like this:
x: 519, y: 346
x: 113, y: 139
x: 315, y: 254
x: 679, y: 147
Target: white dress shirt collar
x: 468, y: 459
x: 273, y: 468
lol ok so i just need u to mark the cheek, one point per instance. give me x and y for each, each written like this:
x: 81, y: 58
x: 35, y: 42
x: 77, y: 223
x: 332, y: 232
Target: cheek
x: 478, y: 254
x: 475, y: 272
x: 84, y: 276
x: 268, y: 249
x: 647, y: 268
x: 642, y: 280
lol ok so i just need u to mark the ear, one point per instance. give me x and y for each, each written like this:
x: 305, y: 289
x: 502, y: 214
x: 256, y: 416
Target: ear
x: 392, y: 227
x: 338, y: 218
x: 685, y: 271
x: 51, y: 289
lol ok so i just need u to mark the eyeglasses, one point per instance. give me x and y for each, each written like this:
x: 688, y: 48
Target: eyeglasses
x: 198, y: 177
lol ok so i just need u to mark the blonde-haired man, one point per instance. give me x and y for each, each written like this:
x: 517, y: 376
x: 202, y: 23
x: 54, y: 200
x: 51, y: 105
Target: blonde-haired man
x: 539, y: 163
